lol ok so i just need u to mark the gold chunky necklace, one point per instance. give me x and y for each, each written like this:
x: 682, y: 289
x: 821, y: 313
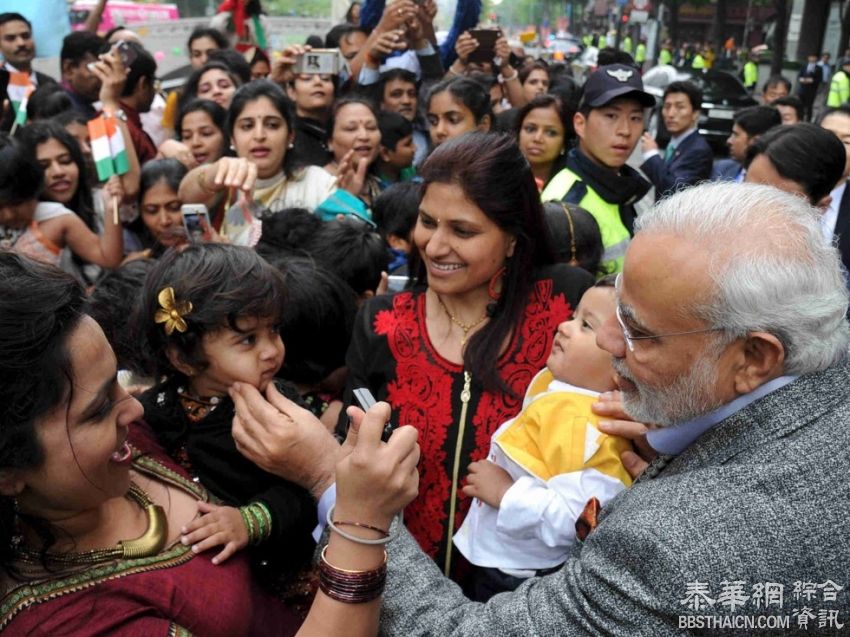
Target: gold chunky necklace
x: 465, y: 327
x: 151, y: 542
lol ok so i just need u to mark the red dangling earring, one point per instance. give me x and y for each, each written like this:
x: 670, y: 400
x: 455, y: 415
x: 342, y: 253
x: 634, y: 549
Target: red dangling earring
x: 493, y: 293
x: 495, y: 280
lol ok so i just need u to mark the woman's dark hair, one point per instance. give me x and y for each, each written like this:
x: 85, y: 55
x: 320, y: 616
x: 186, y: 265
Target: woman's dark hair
x: 288, y: 232
x: 804, y: 153
x: 316, y: 322
x: 21, y: 178
x: 349, y: 15
x: 353, y: 250
x: 190, y: 89
x: 47, y: 101
x: 494, y: 175
x: 112, y: 304
x: 153, y: 172
x: 216, y: 113
x: 574, y: 236
x: 222, y: 282
x: 258, y: 56
x: 342, y: 102
x: 39, y: 308
x: 466, y: 91
x: 564, y: 115
x: 208, y: 32
x: 251, y: 92
x: 526, y: 70
x: 234, y: 61
x: 42, y: 132
x: 394, y: 211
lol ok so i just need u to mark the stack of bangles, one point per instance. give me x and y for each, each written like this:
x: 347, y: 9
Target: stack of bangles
x: 353, y: 587
x: 258, y: 521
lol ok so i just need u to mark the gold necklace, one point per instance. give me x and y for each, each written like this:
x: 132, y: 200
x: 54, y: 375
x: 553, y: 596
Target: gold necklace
x: 465, y: 327
x: 149, y: 543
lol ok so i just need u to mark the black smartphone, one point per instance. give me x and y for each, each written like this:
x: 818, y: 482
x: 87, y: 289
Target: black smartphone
x: 366, y: 400
x: 486, y: 50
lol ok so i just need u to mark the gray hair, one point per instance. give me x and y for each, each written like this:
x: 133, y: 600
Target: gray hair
x: 773, y: 269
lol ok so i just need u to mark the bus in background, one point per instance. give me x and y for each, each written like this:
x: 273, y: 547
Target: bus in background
x: 121, y: 12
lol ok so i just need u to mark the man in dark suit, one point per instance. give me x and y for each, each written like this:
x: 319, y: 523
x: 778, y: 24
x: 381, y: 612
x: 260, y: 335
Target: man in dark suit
x: 18, y: 50
x: 808, y: 81
x: 836, y: 220
x: 687, y: 158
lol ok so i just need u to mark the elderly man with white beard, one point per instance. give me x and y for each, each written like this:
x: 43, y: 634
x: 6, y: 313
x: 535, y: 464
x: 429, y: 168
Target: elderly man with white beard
x: 730, y: 334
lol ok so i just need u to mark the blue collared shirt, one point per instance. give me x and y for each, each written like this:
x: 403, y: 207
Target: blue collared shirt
x: 676, y: 438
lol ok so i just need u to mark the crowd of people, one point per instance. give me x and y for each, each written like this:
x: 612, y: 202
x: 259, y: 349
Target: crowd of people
x: 587, y: 403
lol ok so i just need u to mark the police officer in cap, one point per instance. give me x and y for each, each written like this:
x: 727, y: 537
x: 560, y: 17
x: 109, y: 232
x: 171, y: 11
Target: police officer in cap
x: 609, y: 124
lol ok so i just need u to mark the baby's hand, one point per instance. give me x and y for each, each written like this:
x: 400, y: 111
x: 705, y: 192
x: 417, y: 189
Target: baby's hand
x: 488, y: 482
x: 216, y: 526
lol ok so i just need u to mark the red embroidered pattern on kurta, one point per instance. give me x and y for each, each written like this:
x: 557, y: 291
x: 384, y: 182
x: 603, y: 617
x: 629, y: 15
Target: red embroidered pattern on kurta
x: 425, y: 394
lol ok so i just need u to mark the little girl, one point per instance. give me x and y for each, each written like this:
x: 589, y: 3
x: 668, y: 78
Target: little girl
x: 209, y: 317
x: 42, y: 229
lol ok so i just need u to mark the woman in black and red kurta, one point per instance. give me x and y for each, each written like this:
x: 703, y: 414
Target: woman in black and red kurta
x: 454, y: 355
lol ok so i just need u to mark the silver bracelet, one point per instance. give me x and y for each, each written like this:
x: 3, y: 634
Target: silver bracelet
x: 359, y: 540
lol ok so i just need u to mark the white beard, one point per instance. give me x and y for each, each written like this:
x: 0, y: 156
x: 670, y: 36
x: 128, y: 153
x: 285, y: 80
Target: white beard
x: 685, y: 398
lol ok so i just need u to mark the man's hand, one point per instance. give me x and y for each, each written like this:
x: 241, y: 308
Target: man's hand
x: 112, y: 75
x: 647, y: 143
x: 282, y: 438
x: 618, y: 423
x: 488, y: 482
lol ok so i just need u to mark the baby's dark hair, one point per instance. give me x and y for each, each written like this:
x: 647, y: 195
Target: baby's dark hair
x: 607, y: 281
x: 317, y: 320
x: 394, y: 211
x: 574, y: 236
x: 222, y: 282
x: 353, y: 250
x: 113, y: 302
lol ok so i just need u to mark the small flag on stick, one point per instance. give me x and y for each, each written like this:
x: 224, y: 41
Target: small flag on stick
x: 107, y: 147
x: 108, y: 151
x: 19, y: 91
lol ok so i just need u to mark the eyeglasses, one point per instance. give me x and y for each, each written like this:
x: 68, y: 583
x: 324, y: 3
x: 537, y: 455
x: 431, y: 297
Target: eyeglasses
x: 631, y: 338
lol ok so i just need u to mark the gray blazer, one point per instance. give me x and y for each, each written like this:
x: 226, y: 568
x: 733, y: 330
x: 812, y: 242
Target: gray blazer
x: 763, y: 497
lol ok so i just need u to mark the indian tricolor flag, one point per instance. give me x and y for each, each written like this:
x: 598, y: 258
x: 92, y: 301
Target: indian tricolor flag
x: 107, y: 147
x: 19, y: 91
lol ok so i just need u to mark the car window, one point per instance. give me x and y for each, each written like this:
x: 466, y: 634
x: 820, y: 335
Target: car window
x: 717, y: 86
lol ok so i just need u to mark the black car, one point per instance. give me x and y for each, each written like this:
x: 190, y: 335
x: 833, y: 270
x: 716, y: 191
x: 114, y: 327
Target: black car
x: 722, y: 96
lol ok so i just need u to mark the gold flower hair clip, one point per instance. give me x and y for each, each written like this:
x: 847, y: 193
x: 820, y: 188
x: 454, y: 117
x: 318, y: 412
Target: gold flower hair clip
x: 171, y: 312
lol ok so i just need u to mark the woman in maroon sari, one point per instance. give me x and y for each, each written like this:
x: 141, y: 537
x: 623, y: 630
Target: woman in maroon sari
x: 92, y: 512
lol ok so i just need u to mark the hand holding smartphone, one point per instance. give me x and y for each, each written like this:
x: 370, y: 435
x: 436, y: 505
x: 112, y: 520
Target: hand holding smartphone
x: 486, y: 50
x: 196, y: 220
x: 318, y: 62
x: 366, y: 400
